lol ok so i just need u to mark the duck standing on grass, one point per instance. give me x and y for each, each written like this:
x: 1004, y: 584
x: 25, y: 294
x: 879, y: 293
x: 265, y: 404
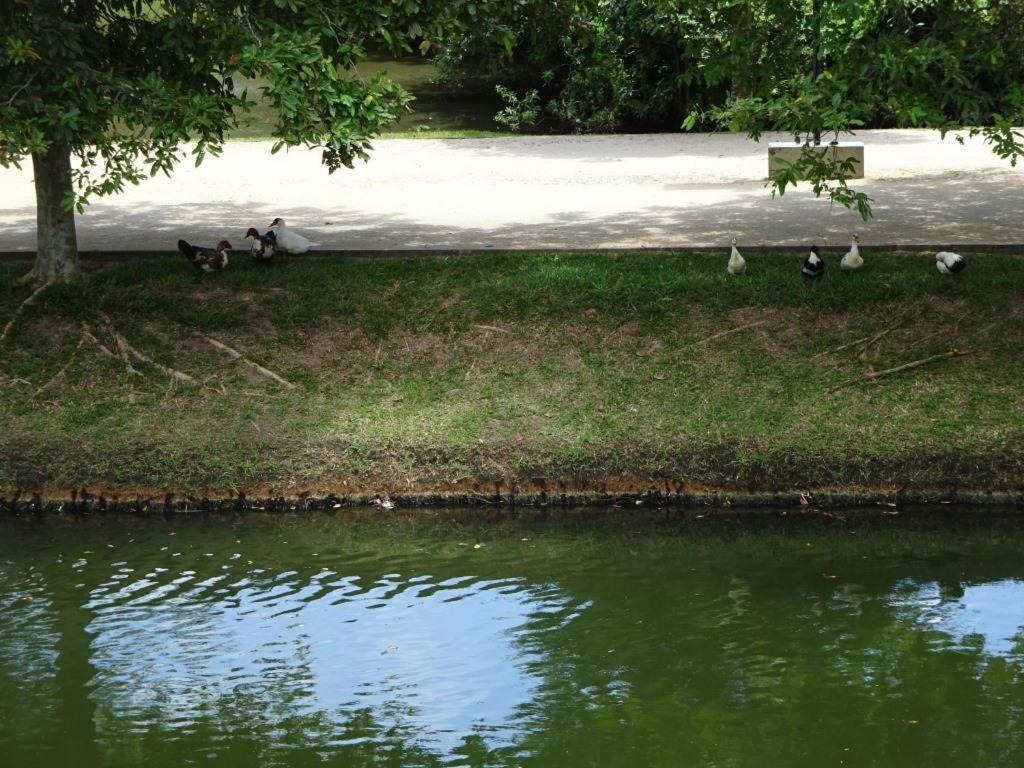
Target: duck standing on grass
x: 206, y: 259
x: 290, y: 241
x: 852, y: 260
x: 263, y: 246
x: 814, y: 266
x: 949, y: 263
x: 737, y: 264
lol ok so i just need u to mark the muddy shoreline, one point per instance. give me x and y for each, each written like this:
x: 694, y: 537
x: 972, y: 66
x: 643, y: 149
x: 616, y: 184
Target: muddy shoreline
x: 668, y: 475
x: 126, y: 501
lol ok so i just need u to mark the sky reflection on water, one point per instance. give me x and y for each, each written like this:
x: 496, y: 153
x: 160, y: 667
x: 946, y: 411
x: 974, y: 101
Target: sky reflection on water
x: 309, y: 642
x: 436, y: 661
x: 991, y: 613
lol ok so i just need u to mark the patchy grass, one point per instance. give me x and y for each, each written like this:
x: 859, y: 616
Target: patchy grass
x: 443, y: 372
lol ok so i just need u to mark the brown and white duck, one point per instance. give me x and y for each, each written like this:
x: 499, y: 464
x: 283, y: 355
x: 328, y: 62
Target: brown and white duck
x: 206, y: 259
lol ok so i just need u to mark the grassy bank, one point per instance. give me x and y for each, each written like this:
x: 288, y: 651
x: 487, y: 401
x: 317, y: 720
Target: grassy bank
x: 471, y: 373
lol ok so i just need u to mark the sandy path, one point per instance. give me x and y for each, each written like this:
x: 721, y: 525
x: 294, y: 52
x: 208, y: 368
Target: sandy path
x: 550, y: 192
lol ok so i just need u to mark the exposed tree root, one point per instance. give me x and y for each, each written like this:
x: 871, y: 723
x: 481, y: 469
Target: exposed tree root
x: 29, y: 278
x: 723, y: 334
x: 128, y: 349
x: 21, y: 308
x: 63, y: 369
x: 266, y: 372
x: 873, y: 375
x: 172, y: 372
x: 122, y: 348
x: 99, y: 344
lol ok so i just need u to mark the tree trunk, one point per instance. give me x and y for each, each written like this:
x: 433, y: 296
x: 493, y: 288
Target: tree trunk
x: 677, y: 97
x: 57, y: 244
x: 741, y: 85
x: 816, y: 60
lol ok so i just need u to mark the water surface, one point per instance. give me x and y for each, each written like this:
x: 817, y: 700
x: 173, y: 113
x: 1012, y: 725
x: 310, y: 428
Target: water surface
x: 573, y: 640
x: 434, y: 106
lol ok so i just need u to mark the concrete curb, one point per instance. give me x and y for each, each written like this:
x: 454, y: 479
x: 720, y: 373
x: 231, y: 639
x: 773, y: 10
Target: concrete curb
x: 124, y: 256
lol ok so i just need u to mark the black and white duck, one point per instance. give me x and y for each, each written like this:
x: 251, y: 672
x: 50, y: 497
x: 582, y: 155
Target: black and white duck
x: 949, y: 263
x: 814, y: 265
x: 263, y: 246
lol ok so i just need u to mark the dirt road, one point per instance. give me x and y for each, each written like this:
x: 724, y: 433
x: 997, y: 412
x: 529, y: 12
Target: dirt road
x: 662, y: 190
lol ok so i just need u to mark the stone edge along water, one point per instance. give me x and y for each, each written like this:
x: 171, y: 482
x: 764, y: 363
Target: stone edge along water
x: 499, y: 497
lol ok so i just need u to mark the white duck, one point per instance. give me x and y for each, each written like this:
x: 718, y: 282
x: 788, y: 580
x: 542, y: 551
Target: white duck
x: 290, y: 241
x: 737, y: 264
x: 852, y: 260
x: 949, y: 263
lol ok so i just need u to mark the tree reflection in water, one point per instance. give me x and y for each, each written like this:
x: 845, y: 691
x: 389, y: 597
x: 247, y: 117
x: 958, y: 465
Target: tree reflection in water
x: 302, y: 640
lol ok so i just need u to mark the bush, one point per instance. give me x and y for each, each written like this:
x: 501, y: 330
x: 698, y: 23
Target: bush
x: 520, y: 114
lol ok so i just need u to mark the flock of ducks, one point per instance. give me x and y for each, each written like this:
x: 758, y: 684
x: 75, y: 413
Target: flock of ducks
x: 278, y: 239
x: 947, y: 262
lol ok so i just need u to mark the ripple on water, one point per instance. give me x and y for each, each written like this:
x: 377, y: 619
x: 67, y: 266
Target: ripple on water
x: 299, y: 641
x: 28, y: 656
x: 436, y: 660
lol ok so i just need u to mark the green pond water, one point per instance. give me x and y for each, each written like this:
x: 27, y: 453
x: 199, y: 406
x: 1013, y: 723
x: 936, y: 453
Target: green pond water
x: 566, y: 640
x: 434, y: 107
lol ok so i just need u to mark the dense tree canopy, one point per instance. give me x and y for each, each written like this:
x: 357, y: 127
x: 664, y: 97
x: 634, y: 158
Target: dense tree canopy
x: 748, y: 65
x: 120, y: 85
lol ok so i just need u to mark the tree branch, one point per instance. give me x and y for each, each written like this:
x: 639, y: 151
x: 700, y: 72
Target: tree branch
x: 19, y: 89
x: 869, y: 339
x: 731, y: 331
x: 871, y: 376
